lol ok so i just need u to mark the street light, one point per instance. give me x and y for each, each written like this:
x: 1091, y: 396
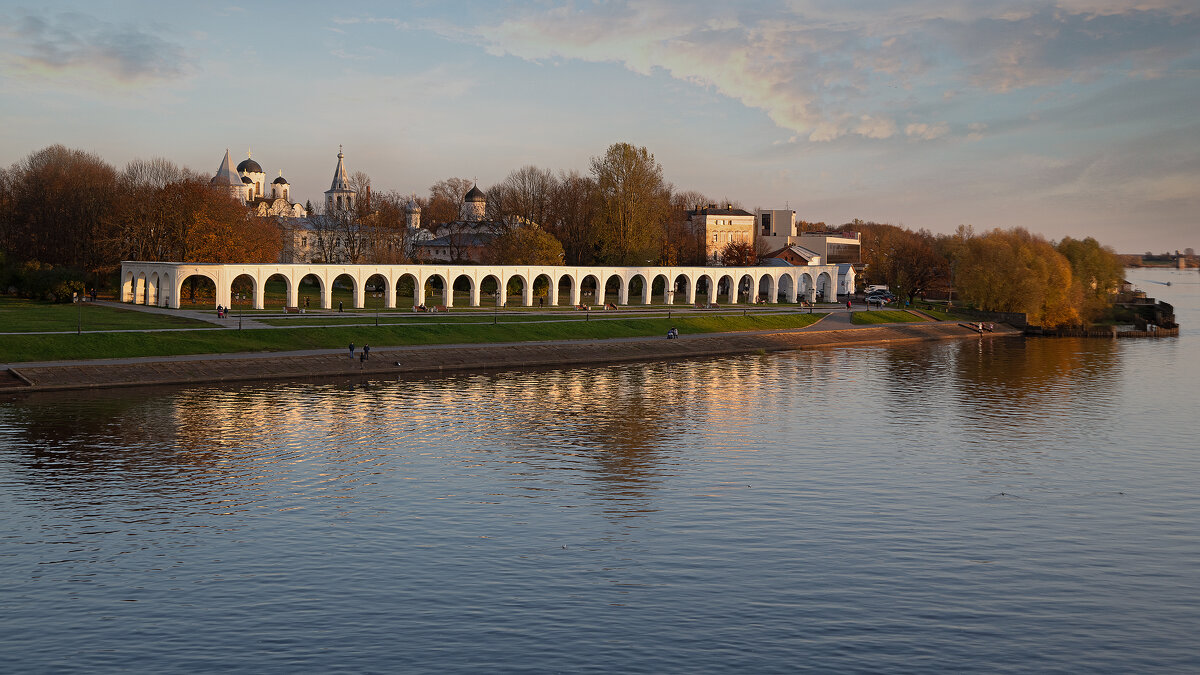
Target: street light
x: 496, y: 307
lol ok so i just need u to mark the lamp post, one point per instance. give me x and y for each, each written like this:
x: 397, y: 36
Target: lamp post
x: 79, y: 301
x: 496, y: 307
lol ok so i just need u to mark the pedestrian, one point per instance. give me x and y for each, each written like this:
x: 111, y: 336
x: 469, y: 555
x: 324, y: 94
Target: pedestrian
x: 351, y: 350
x: 366, y: 352
x: 848, y: 304
x: 220, y: 312
x: 339, y: 305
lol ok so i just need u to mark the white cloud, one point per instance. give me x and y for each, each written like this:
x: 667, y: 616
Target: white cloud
x: 821, y: 70
x: 926, y: 132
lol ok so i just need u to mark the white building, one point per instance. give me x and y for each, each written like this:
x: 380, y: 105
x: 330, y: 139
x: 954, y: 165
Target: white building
x: 246, y: 184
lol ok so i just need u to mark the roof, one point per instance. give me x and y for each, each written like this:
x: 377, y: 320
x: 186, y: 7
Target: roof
x: 249, y: 166
x: 225, y: 173
x: 475, y: 195
x: 280, y: 181
x: 798, y: 251
x: 246, y: 180
x: 714, y: 211
x: 340, y: 183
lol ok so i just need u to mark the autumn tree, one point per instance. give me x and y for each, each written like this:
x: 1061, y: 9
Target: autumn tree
x: 445, y: 201
x: 907, y: 261
x: 1015, y: 271
x: 526, y: 245
x: 633, y: 201
x: 525, y: 196
x: 681, y: 244
x: 573, y: 218
x: 738, y: 254
x: 61, y: 206
x: 1097, y: 270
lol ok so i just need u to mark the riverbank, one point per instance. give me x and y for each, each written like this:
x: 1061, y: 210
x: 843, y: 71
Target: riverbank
x: 392, y: 361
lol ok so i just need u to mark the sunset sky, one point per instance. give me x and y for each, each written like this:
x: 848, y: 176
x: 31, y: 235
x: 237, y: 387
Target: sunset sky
x: 1069, y: 118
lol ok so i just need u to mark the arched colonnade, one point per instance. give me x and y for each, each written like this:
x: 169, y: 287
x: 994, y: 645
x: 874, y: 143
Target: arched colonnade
x: 161, y: 284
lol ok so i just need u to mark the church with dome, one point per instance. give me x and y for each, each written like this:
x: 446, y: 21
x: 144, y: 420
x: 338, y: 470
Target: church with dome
x: 247, y: 184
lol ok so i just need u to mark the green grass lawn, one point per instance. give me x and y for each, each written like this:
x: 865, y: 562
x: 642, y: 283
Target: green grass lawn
x: 27, y: 316
x: 884, y: 316
x: 18, y: 348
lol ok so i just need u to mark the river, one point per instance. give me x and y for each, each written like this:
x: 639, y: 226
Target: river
x: 977, y: 506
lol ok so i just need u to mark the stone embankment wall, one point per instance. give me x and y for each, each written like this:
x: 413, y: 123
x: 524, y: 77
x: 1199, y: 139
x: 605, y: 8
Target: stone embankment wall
x: 392, y: 361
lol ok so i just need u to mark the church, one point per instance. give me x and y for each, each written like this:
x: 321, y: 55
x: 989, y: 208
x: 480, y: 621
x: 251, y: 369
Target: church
x: 246, y: 184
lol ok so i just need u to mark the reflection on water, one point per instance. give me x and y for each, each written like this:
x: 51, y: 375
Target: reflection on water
x: 982, y: 505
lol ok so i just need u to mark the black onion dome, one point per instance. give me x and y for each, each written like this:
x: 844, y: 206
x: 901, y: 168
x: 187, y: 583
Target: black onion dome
x: 249, y: 166
x: 246, y: 180
x: 279, y: 181
x: 475, y: 195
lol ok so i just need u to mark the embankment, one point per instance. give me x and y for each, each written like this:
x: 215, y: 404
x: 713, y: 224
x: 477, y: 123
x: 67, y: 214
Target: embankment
x: 392, y: 361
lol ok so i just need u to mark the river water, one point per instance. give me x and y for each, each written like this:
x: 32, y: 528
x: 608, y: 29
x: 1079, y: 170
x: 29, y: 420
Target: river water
x: 1009, y: 505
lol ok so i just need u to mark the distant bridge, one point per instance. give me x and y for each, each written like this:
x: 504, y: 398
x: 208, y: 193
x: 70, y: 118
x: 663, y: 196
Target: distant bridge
x: 161, y: 283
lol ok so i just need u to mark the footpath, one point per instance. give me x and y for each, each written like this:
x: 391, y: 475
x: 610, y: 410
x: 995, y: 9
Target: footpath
x: 835, y: 330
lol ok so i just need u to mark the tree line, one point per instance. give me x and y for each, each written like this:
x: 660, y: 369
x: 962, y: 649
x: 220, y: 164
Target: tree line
x: 67, y: 218
x: 1072, y: 281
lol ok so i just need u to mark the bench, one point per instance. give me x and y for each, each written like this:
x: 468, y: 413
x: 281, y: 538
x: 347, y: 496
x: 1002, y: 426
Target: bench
x: 291, y: 310
x: 582, y: 308
x: 441, y: 308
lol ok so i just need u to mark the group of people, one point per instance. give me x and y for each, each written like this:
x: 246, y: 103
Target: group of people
x: 672, y: 333
x: 364, y: 355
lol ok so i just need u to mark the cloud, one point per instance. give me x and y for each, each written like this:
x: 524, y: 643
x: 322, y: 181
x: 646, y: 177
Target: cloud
x: 926, y: 132
x: 70, y: 44
x: 827, y: 70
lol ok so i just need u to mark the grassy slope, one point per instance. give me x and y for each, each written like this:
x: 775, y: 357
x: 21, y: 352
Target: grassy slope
x: 27, y: 316
x: 17, y: 348
x: 884, y: 316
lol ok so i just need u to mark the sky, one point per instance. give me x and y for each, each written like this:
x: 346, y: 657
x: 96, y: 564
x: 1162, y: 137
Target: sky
x: 1067, y: 117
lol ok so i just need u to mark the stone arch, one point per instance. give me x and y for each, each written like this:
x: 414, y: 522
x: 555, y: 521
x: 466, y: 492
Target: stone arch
x: 243, y: 288
x: 339, y: 298
x: 435, y: 290
x: 408, y: 287
x: 199, y: 286
x: 766, y: 289
x: 590, y: 290
x: 825, y: 287
x: 127, y: 286
x: 639, y: 288
x: 787, y: 287
x: 660, y: 283
x: 269, y: 292
x: 324, y: 300
x: 517, y: 283
x: 806, y: 286
x: 708, y: 287
x: 545, y: 290
x: 166, y: 288
x: 489, y: 287
x: 681, y: 287
x: 745, y: 288
x: 614, y: 289
x: 568, y: 289
x: 725, y: 284
x: 378, y: 291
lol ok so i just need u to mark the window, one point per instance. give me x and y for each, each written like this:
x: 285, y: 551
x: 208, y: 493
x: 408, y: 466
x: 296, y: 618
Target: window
x: 714, y: 238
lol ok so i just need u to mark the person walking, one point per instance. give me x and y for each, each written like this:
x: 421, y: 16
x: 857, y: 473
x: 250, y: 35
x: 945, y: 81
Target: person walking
x: 339, y: 305
x: 366, y: 352
x: 351, y: 350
